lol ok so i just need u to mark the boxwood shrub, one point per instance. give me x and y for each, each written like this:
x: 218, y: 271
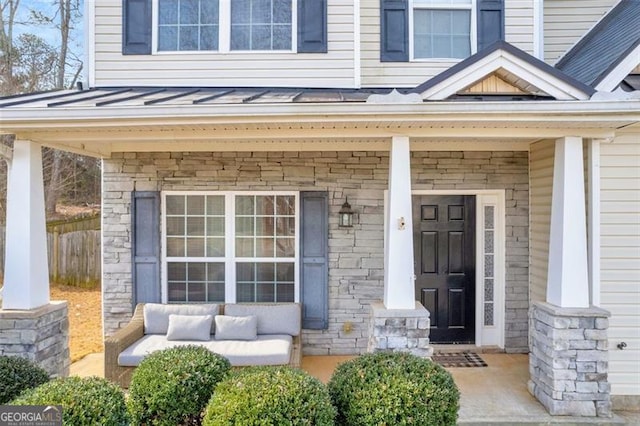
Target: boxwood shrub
x: 173, y: 386
x: 86, y: 401
x: 18, y: 374
x: 385, y: 388
x: 270, y: 396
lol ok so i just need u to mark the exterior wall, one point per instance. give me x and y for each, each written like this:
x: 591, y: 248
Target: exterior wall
x: 355, y: 255
x: 620, y: 257
x: 566, y: 21
x: 518, y: 19
x: 541, y: 185
x: 518, y: 31
x: 333, y: 69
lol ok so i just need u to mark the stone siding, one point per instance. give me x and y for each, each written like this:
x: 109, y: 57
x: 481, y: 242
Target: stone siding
x: 355, y: 255
x: 569, y: 360
x: 40, y: 335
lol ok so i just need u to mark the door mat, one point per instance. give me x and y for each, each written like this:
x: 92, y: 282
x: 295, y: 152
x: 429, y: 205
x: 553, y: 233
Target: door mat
x: 458, y: 359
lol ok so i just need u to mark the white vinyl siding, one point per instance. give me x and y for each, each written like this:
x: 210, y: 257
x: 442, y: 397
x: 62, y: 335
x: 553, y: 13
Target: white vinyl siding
x: 620, y: 258
x: 518, y: 31
x: 540, y: 189
x: 566, y: 21
x: 250, y: 69
x: 519, y: 18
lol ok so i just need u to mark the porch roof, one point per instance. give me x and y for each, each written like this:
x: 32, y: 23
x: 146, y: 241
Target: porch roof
x: 100, y: 121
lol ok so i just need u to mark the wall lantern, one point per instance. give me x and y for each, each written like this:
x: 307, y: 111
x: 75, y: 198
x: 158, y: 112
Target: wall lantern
x: 345, y: 219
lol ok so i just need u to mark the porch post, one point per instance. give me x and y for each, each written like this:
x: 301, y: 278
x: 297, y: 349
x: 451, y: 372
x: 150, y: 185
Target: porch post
x: 568, y: 278
x: 568, y: 360
x: 26, y: 271
x: 399, y: 323
x: 398, y: 260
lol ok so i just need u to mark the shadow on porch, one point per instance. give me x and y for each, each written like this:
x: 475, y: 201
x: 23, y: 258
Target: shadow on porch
x: 492, y: 395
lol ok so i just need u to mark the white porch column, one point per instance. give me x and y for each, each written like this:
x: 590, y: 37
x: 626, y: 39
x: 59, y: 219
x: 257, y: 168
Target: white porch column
x: 398, y: 260
x: 26, y: 271
x: 568, y: 278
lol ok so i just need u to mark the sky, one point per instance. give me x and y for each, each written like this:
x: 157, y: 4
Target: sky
x: 48, y: 33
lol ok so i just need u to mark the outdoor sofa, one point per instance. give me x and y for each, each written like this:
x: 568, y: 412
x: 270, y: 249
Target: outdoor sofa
x: 245, y: 334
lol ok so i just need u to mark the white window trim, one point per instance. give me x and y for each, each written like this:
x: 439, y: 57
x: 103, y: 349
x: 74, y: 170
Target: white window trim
x: 224, y: 34
x: 230, y: 259
x: 472, y: 29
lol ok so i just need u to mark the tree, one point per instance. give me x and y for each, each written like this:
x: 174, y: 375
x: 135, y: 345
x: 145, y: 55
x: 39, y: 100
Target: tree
x: 64, y: 16
x: 30, y: 63
x: 36, y: 62
x: 9, y: 10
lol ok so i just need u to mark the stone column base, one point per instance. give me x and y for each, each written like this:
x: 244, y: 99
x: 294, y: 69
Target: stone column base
x: 40, y: 335
x: 569, y: 360
x: 399, y: 330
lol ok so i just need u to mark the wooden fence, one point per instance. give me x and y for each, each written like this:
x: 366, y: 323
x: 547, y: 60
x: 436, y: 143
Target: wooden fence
x: 73, y: 251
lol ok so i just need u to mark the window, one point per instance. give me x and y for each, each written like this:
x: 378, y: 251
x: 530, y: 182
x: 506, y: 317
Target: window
x: 224, y: 25
x: 261, y: 25
x: 188, y: 25
x: 230, y: 247
x: 442, y: 28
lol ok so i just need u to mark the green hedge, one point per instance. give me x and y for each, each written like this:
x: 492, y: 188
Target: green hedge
x: 17, y: 375
x: 386, y: 388
x: 172, y: 386
x: 86, y: 401
x: 270, y: 396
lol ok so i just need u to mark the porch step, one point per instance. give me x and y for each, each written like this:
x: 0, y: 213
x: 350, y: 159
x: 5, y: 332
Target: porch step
x: 559, y: 420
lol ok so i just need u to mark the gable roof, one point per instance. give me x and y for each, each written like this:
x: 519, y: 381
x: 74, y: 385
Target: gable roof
x: 503, y: 57
x: 606, y: 46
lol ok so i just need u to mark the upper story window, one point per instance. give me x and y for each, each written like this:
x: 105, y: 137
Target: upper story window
x: 261, y: 25
x: 442, y: 28
x: 224, y: 25
x: 188, y: 25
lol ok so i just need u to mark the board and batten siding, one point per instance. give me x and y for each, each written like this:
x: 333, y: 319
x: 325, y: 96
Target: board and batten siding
x: 247, y: 69
x: 540, y: 190
x: 620, y: 258
x: 518, y: 31
x: 566, y: 21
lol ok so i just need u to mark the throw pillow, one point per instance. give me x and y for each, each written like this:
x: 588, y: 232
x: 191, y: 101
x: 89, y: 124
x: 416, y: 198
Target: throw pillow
x: 189, y: 327
x: 236, y: 328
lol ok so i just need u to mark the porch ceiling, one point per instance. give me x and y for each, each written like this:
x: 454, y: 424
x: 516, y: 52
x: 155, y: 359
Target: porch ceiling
x: 100, y: 130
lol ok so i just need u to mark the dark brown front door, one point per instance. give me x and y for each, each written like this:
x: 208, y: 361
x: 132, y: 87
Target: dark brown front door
x: 444, y: 248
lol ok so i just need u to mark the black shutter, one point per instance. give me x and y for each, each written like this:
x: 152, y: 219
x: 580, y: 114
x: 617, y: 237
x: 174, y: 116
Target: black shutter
x: 490, y: 22
x: 312, y: 26
x: 145, y: 246
x: 136, y: 27
x: 394, y: 31
x: 314, y: 252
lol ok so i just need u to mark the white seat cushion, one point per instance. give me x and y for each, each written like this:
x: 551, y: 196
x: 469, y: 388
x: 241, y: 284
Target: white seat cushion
x: 270, y: 349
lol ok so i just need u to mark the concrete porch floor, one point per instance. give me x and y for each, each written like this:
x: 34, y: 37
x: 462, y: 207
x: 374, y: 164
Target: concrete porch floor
x: 493, y: 395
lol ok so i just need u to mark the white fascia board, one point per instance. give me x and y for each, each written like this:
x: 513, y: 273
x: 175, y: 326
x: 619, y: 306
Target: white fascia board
x: 463, y: 78
x: 25, y: 119
x: 546, y: 82
x: 623, y: 69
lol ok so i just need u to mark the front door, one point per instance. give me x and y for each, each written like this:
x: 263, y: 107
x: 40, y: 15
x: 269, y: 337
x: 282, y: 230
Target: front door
x: 444, y: 249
